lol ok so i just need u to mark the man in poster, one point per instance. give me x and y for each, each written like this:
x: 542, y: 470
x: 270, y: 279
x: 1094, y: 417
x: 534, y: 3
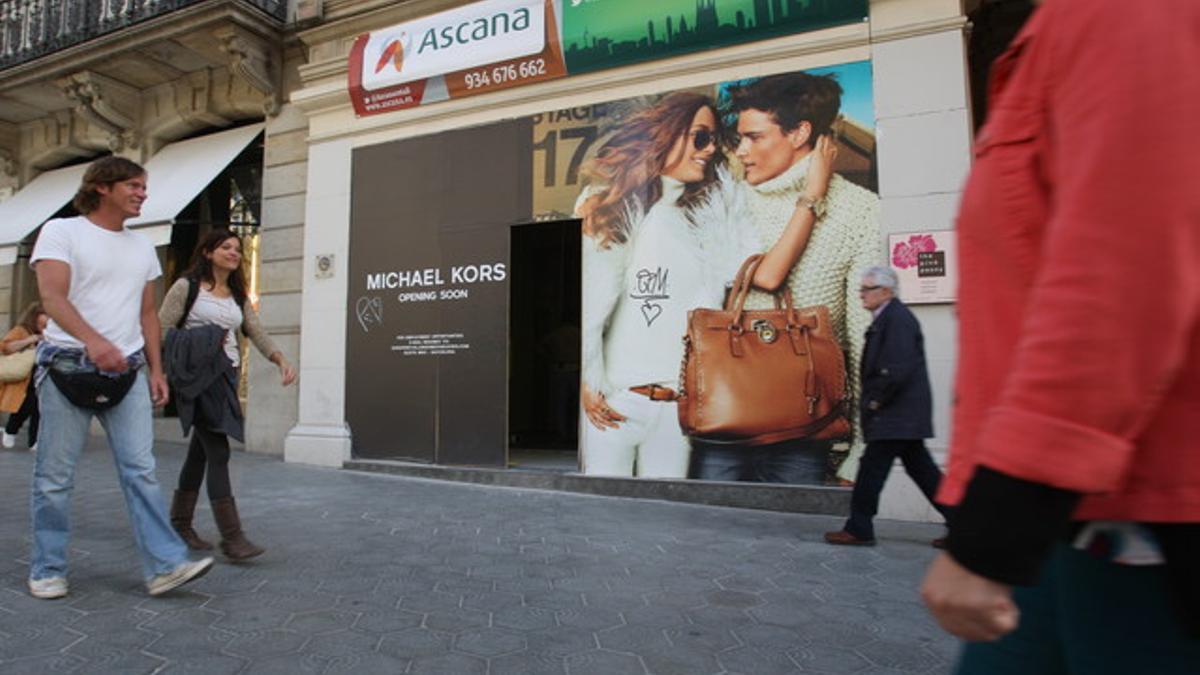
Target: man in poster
x: 779, y: 121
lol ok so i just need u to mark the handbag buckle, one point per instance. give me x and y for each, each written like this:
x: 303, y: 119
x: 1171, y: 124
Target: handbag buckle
x: 765, y: 329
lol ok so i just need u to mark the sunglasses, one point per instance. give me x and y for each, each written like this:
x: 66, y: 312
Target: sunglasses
x: 702, y: 138
x: 868, y: 289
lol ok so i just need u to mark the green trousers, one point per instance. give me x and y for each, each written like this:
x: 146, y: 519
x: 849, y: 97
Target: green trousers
x: 1088, y: 616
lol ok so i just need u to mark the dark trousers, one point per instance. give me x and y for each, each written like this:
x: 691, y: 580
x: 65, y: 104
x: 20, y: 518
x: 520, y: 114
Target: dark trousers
x: 27, y: 411
x: 1088, y: 616
x: 208, y: 449
x: 792, y: 462
x: 873, y: 470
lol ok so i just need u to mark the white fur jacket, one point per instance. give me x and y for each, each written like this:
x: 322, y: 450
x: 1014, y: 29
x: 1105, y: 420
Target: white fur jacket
x: 723, y: 239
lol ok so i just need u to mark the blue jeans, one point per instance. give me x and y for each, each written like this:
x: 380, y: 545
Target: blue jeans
x: 791, y: 462
x: 130, y: 429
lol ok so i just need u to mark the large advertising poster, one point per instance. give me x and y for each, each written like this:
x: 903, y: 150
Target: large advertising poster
x: 673, y: 191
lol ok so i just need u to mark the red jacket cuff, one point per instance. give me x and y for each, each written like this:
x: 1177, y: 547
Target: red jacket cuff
x: 1052, y: 451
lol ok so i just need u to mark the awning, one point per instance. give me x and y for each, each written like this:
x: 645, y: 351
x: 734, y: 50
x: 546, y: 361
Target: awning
x: 33, y: 205
x: 181, y: 171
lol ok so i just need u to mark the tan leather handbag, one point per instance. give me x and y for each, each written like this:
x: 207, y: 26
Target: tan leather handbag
x: 18, y: 365
x: 753, y: 377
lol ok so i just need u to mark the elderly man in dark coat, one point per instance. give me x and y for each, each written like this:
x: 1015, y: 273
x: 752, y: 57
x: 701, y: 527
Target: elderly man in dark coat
x: 896, y: 407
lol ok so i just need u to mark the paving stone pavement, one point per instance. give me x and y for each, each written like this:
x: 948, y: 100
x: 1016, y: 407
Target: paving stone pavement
x: 373, y: 573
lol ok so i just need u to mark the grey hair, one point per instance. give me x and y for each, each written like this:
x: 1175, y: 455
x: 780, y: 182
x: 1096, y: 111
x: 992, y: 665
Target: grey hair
x: 883, y: 276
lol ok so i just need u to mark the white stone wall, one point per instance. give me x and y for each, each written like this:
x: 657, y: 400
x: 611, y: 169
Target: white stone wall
x: 923, y: 140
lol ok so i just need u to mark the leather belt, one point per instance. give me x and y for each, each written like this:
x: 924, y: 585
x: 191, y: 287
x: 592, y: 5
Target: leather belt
x: 655, y: 392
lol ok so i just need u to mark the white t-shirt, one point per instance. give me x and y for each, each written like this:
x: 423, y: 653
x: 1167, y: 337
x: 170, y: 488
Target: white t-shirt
x: 223, y: 312
x: 109, y: 273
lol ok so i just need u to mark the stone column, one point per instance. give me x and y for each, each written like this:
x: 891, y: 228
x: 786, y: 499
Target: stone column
x: 271, y: 407
x: 321, y: 435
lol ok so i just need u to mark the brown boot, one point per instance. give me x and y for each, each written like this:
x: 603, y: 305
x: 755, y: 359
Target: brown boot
x: 182, y: 507
x: 234, y: 543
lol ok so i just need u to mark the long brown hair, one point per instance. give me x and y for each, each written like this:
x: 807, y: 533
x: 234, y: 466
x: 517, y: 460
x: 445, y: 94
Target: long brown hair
x: 629, y: 164
x: 29, y: 317
x: 201, y: 267
x: 103, y: 172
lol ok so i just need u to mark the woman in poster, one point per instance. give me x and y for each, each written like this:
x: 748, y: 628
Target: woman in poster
x: 662, y: 237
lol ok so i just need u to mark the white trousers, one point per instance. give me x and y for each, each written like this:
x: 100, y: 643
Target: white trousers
x: 649, y: 444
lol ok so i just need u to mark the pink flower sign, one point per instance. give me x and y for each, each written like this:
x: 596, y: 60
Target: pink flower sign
x: 926, y: 264
x: 904, y: 254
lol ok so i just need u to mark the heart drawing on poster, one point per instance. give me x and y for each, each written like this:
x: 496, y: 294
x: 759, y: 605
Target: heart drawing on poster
x: 651, y: 311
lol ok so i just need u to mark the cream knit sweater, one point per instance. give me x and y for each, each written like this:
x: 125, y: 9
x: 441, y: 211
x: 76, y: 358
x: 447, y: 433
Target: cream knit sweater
x: 843, y: 245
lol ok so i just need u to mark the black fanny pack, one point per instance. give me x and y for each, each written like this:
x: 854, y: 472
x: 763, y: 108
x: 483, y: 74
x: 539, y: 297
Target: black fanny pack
x: 89, y: 389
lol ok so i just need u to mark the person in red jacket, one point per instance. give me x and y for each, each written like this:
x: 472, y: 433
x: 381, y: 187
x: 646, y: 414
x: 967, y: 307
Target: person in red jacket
x: 1075, y: 456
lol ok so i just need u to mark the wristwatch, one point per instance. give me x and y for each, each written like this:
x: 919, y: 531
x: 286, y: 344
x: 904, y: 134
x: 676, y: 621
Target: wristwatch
x: 817, y: 206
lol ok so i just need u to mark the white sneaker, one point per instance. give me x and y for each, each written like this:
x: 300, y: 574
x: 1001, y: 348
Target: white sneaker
x: 33, y: 448
x: 185, y: 572
x: 49, y: 588
x: 8, y: 440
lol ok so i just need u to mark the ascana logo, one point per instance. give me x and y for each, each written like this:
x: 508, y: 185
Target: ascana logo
x: 393, y: 53
x: 478, y: 29
x: 468, y: 37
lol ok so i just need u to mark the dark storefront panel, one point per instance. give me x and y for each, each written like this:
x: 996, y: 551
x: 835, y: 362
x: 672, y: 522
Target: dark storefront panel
x: 427, y: 348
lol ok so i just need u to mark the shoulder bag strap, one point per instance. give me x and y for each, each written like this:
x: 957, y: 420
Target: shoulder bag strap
x: 192, y: 294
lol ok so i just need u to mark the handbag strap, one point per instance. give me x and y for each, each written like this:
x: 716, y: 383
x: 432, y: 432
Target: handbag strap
x: 742, y: 285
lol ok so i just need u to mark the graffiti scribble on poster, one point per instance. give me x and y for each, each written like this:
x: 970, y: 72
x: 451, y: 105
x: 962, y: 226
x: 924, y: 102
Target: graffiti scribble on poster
x: 651, y: 286
x: 369, y: 311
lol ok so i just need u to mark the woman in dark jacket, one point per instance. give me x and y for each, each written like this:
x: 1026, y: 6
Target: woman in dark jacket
x: 212, y: 293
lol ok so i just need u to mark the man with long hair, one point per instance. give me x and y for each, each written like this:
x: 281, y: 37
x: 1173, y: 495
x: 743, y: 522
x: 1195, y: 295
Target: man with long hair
x: 100, y: 357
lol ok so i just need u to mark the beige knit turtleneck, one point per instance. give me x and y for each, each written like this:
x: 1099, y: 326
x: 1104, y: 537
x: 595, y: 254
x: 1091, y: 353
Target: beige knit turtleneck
x: 843, y: 244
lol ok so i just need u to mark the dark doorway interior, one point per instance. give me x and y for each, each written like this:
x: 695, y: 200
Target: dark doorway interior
x: 543, y: 348
x: 994, y: 23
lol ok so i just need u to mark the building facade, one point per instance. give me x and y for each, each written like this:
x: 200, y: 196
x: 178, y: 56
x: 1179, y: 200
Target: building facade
x: 326, y: 230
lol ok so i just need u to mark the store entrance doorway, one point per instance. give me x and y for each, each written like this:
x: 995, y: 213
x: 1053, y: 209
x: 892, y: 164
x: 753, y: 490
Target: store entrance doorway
x: 543, y: 346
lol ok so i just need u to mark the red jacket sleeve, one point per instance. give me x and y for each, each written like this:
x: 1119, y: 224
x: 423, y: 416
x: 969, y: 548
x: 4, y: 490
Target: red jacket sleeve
x: 1117, y: 291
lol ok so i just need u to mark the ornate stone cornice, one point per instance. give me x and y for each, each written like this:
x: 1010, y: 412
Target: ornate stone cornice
x: 9, y: 138
x: 255, y: 60
x: 920, y: 28
x: 106, y: 104
x: 8, y: 164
